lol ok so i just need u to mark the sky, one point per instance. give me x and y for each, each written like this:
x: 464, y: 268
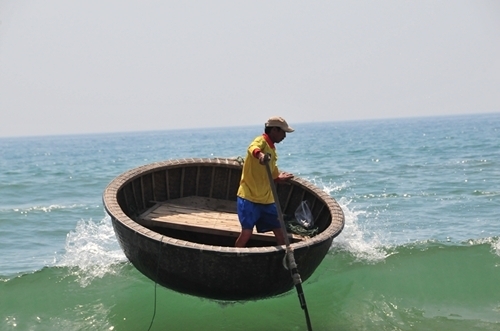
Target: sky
x: 78, y: 67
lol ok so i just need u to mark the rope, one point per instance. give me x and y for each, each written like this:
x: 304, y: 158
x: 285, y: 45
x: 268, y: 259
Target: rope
x: 157, y: 272
x: 240, y: 160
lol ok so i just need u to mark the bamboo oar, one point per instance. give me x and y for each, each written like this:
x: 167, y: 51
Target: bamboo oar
x: 289, y: 251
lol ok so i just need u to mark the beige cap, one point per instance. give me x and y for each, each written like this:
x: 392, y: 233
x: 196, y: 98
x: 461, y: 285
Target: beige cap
x: 280, y: 123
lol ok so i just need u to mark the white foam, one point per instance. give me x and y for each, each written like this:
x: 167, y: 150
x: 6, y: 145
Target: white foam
x: 493, y: 241
x: 91, y: 251
x: 496, y: 246
x: 354, y: 239
x: 365, y: 247
x: 45, y: 209
x: 328, y: 187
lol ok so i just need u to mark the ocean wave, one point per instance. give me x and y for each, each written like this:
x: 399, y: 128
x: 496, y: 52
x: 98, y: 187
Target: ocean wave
x: 329, y: 187
x: 92, y: 251
x: 374, y: 246
x: 42, y: 209
x: 487, y: 193
x: 354, y: 238
x: 494, y: 242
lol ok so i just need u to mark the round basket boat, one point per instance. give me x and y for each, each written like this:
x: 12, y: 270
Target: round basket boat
x: 176, y: 222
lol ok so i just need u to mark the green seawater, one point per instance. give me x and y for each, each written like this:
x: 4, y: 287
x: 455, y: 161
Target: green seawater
x: 428, y: 286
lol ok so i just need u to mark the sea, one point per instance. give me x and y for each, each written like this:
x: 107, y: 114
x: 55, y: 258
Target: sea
x: 420, y: 249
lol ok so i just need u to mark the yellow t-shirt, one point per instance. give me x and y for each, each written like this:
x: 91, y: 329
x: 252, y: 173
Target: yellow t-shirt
x: 254, y: 183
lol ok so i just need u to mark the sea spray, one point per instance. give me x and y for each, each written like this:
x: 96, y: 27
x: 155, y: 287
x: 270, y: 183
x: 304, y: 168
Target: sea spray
x: 92, y: 251
x: 364, y: 245
x: 496, y: 246
x: 494, y: 242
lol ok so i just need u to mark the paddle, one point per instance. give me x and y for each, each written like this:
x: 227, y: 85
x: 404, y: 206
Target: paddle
x: 289, y: 251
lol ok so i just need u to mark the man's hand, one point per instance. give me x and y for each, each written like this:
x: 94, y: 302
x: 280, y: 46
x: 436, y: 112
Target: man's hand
x: 262, y: 158
x: 284, y: 176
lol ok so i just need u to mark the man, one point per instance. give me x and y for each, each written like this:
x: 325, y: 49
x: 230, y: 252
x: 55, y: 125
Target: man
x: 255, y: 203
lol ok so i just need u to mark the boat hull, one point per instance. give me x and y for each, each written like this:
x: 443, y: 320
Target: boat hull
x: 207, y: 270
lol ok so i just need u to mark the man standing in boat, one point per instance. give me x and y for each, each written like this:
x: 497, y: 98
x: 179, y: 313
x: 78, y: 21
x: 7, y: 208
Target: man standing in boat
x: 256, y: 207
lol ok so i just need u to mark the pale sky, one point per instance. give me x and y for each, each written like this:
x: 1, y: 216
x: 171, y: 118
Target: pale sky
x: 72, y: 67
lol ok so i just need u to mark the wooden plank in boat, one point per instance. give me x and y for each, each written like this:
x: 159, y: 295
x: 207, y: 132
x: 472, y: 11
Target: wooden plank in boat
x: 198, y: 214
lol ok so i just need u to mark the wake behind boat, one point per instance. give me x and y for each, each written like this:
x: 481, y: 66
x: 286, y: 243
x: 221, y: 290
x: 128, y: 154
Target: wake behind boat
x: 176, y: 222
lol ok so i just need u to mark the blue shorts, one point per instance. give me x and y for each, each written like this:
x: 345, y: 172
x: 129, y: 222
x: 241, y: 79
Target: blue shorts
x: 263, y: 216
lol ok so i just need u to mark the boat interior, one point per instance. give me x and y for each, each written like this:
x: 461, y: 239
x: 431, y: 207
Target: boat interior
x: 202, y: 220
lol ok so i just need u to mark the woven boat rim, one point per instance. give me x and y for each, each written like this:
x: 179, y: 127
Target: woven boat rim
x: 116, y: 213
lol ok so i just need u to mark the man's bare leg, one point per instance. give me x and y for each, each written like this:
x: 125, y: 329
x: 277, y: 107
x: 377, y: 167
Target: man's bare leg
x: 278, y: 233
x: 243, y: 238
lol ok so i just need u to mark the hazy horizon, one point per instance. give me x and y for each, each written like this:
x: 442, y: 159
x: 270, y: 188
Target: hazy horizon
x: 85, y: 67
x: 258, y: 126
